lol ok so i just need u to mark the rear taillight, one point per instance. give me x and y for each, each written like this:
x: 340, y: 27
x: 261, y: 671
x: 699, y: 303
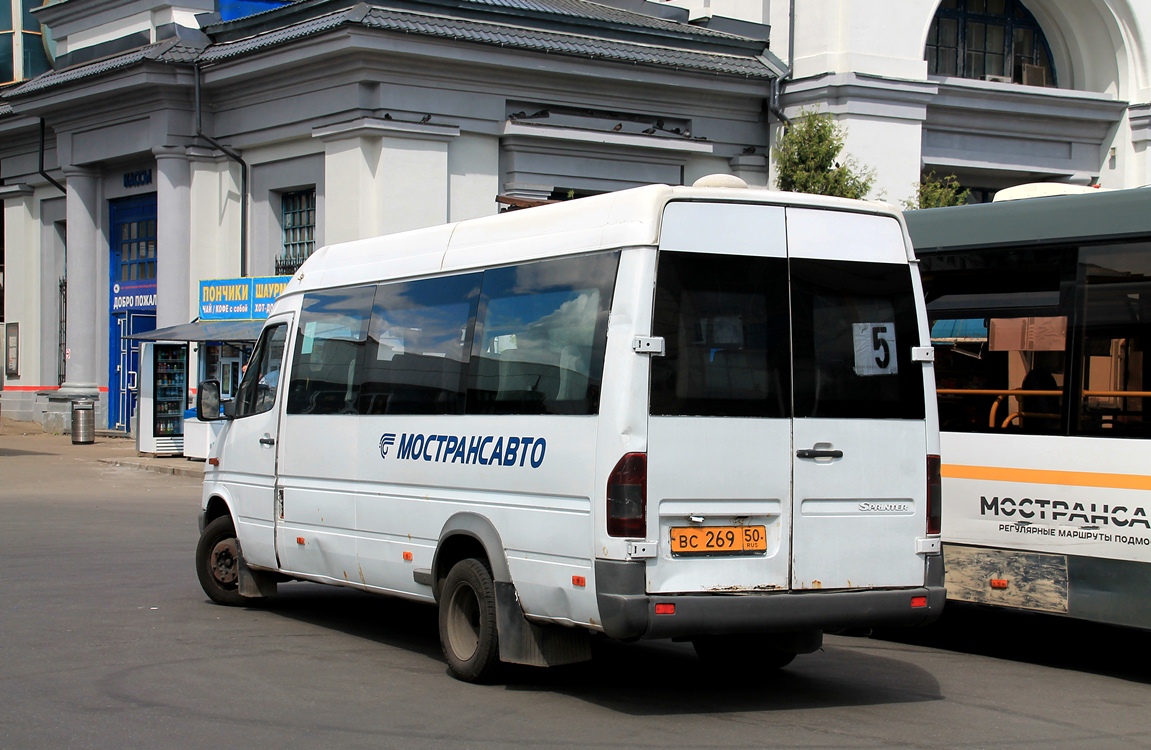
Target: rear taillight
x: 934, y: 495
x: 627, y: 497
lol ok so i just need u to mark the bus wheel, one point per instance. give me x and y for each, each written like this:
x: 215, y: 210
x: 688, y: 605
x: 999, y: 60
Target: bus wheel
x: 741, y: 652
x: 218, y: 562
x: 468, y: 622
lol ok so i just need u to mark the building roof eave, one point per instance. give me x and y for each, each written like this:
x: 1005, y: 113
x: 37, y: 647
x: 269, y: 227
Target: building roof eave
x: 748, y: 62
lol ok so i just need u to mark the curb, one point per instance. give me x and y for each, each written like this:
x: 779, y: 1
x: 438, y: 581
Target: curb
x: 108, y: 447
x: 146, y: 464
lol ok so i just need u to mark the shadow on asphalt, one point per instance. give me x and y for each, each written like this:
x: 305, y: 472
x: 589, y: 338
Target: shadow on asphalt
x: 665, y: 679
x: 383, y: 619
x: 7, y: 452
x: 645, y: 678
x: 1034, y: 638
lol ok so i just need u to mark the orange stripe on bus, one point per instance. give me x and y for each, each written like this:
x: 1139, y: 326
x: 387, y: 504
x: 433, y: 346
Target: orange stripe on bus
x: 1044, y: 476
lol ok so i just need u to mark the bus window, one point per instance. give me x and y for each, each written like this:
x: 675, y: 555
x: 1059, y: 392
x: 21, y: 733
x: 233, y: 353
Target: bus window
x: 257, y: 392
x: 540, y: 340
x: 329, y: 343
x: 854, y: 328
x: 417, y: 346
x: 999, y: 325
x: 1114, y: 337
x: 724, y: 322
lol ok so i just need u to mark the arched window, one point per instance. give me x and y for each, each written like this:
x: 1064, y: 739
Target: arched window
x: 993, y: 40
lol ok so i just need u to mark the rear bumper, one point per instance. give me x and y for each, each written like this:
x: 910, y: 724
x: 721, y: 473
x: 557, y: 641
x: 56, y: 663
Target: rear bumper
x: 627, y: 612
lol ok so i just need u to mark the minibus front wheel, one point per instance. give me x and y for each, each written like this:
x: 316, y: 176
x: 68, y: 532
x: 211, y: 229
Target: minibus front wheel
x: 218, y: 562
x: 467, y: 620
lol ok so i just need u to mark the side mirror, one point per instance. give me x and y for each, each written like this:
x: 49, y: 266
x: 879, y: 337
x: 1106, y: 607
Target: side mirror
x: 208, y: 401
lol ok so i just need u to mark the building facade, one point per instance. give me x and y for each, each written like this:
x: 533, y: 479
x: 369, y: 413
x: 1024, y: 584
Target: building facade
x: 996, y: 92
x: 181, y: 144
x: 173, y: 143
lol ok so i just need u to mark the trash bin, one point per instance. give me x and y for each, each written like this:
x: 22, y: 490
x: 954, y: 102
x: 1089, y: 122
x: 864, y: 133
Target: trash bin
x: 83, y: 421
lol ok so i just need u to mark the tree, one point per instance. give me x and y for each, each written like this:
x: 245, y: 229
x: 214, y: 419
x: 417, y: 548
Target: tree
x: 807, y: 159
x: 936, y: 192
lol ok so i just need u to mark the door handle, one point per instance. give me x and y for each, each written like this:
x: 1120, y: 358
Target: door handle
x: 266, y: 440
x: 818, y: 453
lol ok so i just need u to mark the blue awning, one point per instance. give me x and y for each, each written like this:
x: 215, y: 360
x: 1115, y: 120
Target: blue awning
x: 964, y: 329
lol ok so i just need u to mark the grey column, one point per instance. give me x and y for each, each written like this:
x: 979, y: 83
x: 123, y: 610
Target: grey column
x: 83, y: 285
x: 173, y: 232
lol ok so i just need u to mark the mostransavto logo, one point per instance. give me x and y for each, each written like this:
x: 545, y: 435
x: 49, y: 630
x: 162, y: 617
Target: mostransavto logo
x: 484, y: 450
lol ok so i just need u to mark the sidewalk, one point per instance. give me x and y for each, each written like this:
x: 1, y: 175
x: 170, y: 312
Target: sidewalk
x: 108, y: 447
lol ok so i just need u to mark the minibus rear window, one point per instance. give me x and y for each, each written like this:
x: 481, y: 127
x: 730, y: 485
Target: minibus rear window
x: 854, y: 326
x: 724, y: 322
x: 733, y: 349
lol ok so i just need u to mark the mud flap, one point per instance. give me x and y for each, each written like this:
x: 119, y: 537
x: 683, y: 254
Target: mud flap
x: 523, y: 642
x: 254, y: 584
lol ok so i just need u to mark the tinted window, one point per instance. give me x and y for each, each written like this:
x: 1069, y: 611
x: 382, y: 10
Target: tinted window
x: 330, y: 341
x: 257, y: 392
x: 417, y: 350
x: 999, y: 323
x: 854, y: 326
x: 1114, y: 381
x: 724, y: 323
x: 539, y: 343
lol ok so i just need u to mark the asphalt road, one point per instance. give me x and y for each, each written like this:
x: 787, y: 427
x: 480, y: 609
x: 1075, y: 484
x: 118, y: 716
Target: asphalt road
x: 106, y: 641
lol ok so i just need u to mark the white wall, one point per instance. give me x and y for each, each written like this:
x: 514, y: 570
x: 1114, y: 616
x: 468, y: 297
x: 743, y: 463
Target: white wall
x: 845, y: 47
x: 473, y: 176
x: 22, y: 286
x: 215, y: 231
x: 755, y: 11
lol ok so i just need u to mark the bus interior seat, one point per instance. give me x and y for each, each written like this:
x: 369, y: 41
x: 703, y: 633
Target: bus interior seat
x: 524, y: 377
x: 575, y: 364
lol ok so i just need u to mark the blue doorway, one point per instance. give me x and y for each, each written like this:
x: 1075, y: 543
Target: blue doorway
x: 132, y: 300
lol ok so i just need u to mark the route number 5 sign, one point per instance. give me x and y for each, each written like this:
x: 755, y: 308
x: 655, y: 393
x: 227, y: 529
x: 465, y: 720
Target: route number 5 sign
x: 874, y: 349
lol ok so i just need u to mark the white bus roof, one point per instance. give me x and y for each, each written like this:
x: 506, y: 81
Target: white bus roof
x: 626, y: 218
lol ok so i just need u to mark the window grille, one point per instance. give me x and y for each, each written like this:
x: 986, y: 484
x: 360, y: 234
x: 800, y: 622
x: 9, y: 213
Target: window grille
x: 298, y: 215
x: 137, y: 250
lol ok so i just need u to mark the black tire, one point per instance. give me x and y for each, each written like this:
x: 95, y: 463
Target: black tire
x: 468, y: 622
x: 218, y: 563
x: 750, y: 654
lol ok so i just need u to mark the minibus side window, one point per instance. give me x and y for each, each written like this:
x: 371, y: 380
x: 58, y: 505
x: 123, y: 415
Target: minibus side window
x: 723, y: 319
x: 257, y: 392
x: 854, y: 326
x: 417, y: 351
x: 330, y: 342
x: 540, y: 337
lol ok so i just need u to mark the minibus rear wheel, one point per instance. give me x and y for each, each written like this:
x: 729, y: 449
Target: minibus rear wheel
x: 467, y: 619
x: 218, y: 562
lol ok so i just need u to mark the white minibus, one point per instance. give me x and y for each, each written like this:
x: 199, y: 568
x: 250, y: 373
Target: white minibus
x: 701, y: 413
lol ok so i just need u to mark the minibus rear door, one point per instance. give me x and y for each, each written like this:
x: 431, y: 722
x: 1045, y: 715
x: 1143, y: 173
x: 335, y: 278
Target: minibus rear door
x: 860, y: 435
x: 719, y: 431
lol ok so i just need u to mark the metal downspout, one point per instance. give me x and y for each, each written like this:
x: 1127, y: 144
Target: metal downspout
x: 44, y: 172
x: 777, y: 82
x: 243, y: 176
